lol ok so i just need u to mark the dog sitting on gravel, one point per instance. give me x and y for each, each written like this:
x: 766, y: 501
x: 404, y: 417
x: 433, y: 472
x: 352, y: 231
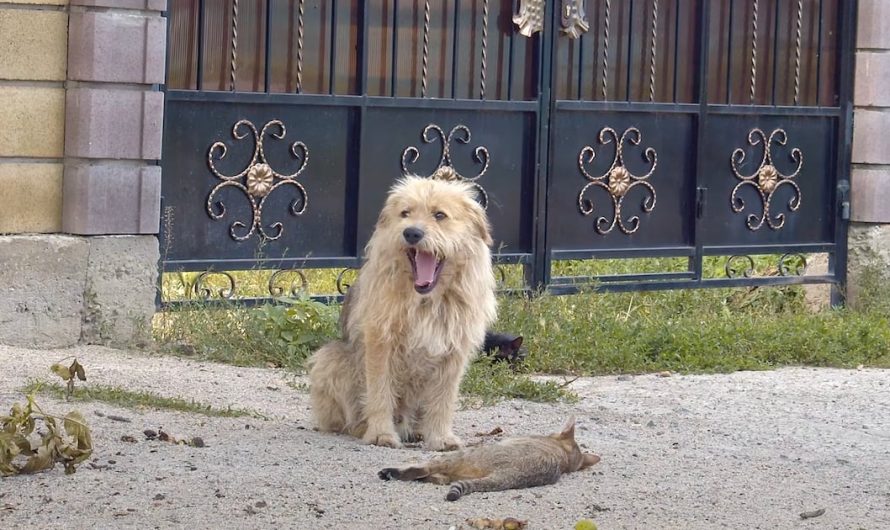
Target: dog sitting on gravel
x: 412, y: 321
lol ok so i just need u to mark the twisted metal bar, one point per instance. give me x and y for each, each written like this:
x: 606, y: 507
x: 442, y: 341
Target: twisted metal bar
x: 797, y: 53
x: 426, y: 47
x: 234, y: 44
x: 606, y: 45
x: 300, y: 20
x: 754, y: 50
x: 654, y: 49
x: 484, y: 48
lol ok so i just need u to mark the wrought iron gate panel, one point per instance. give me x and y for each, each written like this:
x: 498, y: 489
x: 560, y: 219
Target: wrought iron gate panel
x: 592, y: 128
x: 487, y: 147
x: 595, y: 194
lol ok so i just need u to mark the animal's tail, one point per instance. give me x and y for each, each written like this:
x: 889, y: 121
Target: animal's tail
x: 459, y: 489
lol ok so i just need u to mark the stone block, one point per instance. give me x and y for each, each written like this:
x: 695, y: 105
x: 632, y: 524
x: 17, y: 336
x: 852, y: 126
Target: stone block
x: 121, y: 288
x: 148, y: 5
x: 873, y: 28
x: 41, y: 281
x: 30, y: 198
x: 111, y: 199
x: 870, y: 195
x: 38, y: 2
x: 116, y: 47
x: 868, y: 255
x: 872, y: 80
x: 33, y: 121
x: 33, y: 44
x: 114, y: 123
x: 870, y: 131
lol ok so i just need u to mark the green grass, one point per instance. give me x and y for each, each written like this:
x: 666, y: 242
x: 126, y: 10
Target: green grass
x: 493, y: 382
x: 687, y: 331
x: 129, y: 399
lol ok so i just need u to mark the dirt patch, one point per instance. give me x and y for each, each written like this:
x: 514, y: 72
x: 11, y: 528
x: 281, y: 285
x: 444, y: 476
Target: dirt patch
x: 744, y: 450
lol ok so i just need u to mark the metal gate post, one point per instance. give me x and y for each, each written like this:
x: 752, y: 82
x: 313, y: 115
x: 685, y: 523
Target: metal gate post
x: 537, y: 273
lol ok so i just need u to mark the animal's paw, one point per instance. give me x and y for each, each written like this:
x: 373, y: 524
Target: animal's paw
x: 385, y: 439
x: 388, y: 473
x: 449, y: 442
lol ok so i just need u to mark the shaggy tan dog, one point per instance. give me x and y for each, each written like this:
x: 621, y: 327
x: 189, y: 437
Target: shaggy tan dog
x: 412, y: 321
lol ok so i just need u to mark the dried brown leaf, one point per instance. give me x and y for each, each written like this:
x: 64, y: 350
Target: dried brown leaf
x: 78, y: 370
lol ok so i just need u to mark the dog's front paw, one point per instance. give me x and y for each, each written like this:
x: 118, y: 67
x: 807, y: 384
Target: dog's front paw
x: 449, y: 442
x: 386, y: 439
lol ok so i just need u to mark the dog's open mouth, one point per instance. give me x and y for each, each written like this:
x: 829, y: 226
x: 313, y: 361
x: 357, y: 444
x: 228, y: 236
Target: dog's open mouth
x: 425, y: 268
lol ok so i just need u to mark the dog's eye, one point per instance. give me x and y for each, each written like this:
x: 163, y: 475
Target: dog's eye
x: 405, y: 213
x: 439, y: 216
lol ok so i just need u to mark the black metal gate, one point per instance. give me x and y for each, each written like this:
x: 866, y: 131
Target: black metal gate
x: 593, y: 129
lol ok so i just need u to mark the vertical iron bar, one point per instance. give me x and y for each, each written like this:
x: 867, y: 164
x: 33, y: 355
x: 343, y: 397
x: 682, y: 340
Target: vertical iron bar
x: 510, y: 57
x: 775, y: 51
x: 301, y: 22
x: 754, y: 51
x: 538, y: 274
x: 455, y: 28
x: 819, y: 59
x: 268, y: 51
x: 630, y: 32
x: 606, y: 23
x: 837, y: 261
x: 702, y: 127
x: 395, y: 47
x: 483, y: 71
x: 333, y: 58
x: 200, y: 66
x: 676, y: 47
x: 363, y: 42
x: 232, y: 75
x: 797, y: 43
x: 654, y: 50
x: 426, y: 48
x: 729, y: 54
x: 580, y: 64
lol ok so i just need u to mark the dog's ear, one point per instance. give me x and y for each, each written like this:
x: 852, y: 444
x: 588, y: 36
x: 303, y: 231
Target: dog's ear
x: 479, y: 221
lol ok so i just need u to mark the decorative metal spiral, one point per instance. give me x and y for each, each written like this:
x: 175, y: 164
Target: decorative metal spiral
x: 295, y: 289
x: 204, y: 291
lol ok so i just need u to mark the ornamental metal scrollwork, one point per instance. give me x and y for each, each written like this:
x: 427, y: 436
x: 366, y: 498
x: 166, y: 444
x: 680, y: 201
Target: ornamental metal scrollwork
x: 530, y: 18
x: 204, y: 291
x: 766, y: 179
x: 461, y: 134
x: 733, y: 270
x: 617, y: 180
x: 342, y: 286
x: 573, y: 18
x: 792, y: 264
x: 295, y: 289
x: 259, y: 180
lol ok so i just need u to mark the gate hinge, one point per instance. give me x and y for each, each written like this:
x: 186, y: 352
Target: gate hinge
x: 701, y: 196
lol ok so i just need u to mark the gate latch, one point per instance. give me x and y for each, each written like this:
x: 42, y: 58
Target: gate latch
x: 701, y: 196
x: 843, y: 189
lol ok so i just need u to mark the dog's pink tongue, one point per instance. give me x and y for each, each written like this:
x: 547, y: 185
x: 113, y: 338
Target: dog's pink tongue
x: 425, y: 263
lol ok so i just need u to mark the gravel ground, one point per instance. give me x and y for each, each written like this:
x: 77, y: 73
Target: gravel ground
x: 744, y: 450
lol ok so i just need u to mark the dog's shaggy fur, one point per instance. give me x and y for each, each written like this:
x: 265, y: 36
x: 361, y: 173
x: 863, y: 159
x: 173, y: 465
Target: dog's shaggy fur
x: 412, y: 321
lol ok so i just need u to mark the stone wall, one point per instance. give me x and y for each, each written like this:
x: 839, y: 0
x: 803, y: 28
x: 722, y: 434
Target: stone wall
x: 82, y: 110
x: 869, y: 235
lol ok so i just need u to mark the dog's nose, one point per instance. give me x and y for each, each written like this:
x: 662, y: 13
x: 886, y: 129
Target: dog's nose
x: 412, y: 235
